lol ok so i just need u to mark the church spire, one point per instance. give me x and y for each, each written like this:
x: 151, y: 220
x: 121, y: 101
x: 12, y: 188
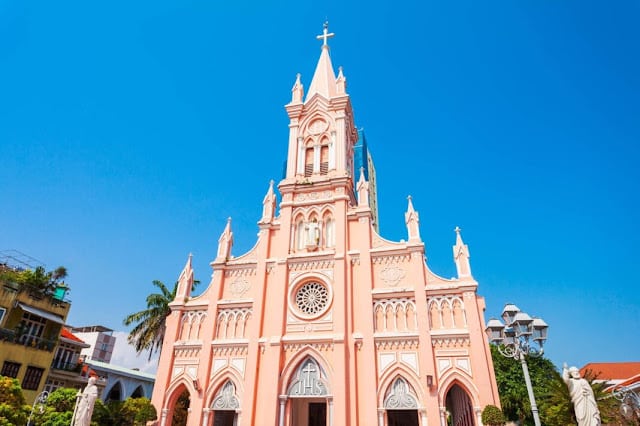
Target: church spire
x: 297, y: 91
x: 225, y: 242
x: 268, y: 205
x: 185, y: 281
x: 363, y: 190
x: 412, y: 219
x: 324, y: 79
x: 461, y: 256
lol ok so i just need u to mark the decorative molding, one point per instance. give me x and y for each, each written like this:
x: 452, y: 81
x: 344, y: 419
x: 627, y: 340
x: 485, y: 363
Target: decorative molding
x: 386, y: 259
x: 411, y: 360
x: 190, y: 351
x: 311, y: 264
x: 385, y: 360
x: 319, y: 346
x: 240, y: 271
x: 397, y: 342
x: 313, y: 196
x: 229, y: 349
x: 450, y: 342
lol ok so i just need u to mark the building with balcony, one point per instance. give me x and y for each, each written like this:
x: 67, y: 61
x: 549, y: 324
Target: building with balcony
x: 31, y: 320
x: 67, y: 367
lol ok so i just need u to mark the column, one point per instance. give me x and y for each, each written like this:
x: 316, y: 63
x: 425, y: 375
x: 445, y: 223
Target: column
x: 283, y: 402
x: 205, y: 416
x: 330, y: 404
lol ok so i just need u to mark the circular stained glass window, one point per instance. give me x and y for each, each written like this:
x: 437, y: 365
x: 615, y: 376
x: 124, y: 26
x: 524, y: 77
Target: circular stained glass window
x: 312, y: 298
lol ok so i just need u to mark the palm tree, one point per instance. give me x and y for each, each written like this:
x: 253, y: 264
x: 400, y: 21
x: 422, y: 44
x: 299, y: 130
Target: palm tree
x: 149, y: 329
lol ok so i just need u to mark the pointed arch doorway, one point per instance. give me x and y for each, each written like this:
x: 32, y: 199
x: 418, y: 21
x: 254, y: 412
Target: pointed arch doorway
x: 225, y: 406
x: 401, y: 405
x: 459, y: 407
x: 308, y: 400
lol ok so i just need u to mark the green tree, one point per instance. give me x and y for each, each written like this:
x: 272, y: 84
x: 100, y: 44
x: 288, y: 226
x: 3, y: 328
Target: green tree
x: 138, y: 411
x: 37, y: 278
x: 13, y: 409
x: 149, y: 329
x: 514, y: 397
x: 492, y: 416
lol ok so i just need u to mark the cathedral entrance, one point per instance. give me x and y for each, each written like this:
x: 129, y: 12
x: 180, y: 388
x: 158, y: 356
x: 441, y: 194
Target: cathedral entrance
x: 308, y: 395
x: 402, y: 418
x: 401, y: 404
x: 224, y: 418
x: 459, y: 405
x: 305, y: 412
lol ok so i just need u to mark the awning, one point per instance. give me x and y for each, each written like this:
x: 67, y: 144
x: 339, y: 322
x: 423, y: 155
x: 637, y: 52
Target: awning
x: 44, y: 314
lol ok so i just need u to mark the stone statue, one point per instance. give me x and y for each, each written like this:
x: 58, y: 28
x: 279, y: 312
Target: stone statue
x: 84, y: 406
x: 584, y: 402
x: 313, y: 233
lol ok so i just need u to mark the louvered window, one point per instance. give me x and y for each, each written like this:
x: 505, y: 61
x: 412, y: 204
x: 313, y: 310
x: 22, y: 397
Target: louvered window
x: 308, y: 162
x: 324, y: 160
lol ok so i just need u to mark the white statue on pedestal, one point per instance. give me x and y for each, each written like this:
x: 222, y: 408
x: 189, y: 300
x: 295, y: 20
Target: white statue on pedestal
x: 584, y: 402
x: 84, y: 406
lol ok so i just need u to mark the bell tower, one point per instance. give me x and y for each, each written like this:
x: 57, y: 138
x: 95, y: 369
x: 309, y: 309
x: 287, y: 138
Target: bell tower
x: 322, y: 133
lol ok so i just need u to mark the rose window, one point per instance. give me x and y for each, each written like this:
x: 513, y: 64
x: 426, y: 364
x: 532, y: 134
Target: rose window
x: 312, y: 298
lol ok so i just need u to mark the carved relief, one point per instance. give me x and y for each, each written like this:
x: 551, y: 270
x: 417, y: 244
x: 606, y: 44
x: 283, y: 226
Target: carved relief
x: 226, y: 398
x: 239, y: 287
x: 400, y: 396
x: 392, y: 275
x: 308, y: 381
x: 317, y: 126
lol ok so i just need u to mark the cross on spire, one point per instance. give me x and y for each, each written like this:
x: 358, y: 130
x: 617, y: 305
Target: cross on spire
x: 325, y: 34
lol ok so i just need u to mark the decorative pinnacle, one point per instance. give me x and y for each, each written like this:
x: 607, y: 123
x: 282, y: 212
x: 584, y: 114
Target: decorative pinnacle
x: 458, y: 230
x: 325, y: 34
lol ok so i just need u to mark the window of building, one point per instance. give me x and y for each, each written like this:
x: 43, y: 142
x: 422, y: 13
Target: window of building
x: 32, y: 378
x: 308, y: 162
x: 2, y: 312
x: 32, y: 327
x: 10, y: 369
x: 324, y: 160
x: 52, y: 385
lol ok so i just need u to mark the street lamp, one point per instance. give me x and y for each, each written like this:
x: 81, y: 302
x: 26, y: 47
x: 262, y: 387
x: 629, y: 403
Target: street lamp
x: 630, y: 401
x: 520, y: 335
x: 40, y: 400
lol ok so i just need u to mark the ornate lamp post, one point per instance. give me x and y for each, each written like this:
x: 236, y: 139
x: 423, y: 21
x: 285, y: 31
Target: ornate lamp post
x: 40, y: 400
x: 520, y: 335
x: 630, y: 401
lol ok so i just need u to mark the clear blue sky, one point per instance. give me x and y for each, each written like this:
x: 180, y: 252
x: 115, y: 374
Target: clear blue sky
x: 130, y: 131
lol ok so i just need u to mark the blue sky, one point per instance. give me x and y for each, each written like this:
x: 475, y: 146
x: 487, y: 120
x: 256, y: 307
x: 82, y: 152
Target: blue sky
x: 130, y: 131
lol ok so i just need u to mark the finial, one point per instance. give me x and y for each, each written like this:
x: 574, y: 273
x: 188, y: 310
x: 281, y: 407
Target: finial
x: 325, y: 34
x: 271, y: 182
x: 458, y: 230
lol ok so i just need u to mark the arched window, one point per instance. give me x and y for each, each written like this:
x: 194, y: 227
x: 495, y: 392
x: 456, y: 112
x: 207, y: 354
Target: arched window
x: 308, y: 161
x: 329, y: 232
x: 300, y: 235
x: 324, y: 159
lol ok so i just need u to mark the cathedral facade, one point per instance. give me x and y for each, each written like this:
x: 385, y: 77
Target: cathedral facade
x: 323, y: 321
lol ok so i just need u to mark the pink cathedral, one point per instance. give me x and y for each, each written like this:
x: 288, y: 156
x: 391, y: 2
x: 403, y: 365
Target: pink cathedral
x: 323, y: 321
